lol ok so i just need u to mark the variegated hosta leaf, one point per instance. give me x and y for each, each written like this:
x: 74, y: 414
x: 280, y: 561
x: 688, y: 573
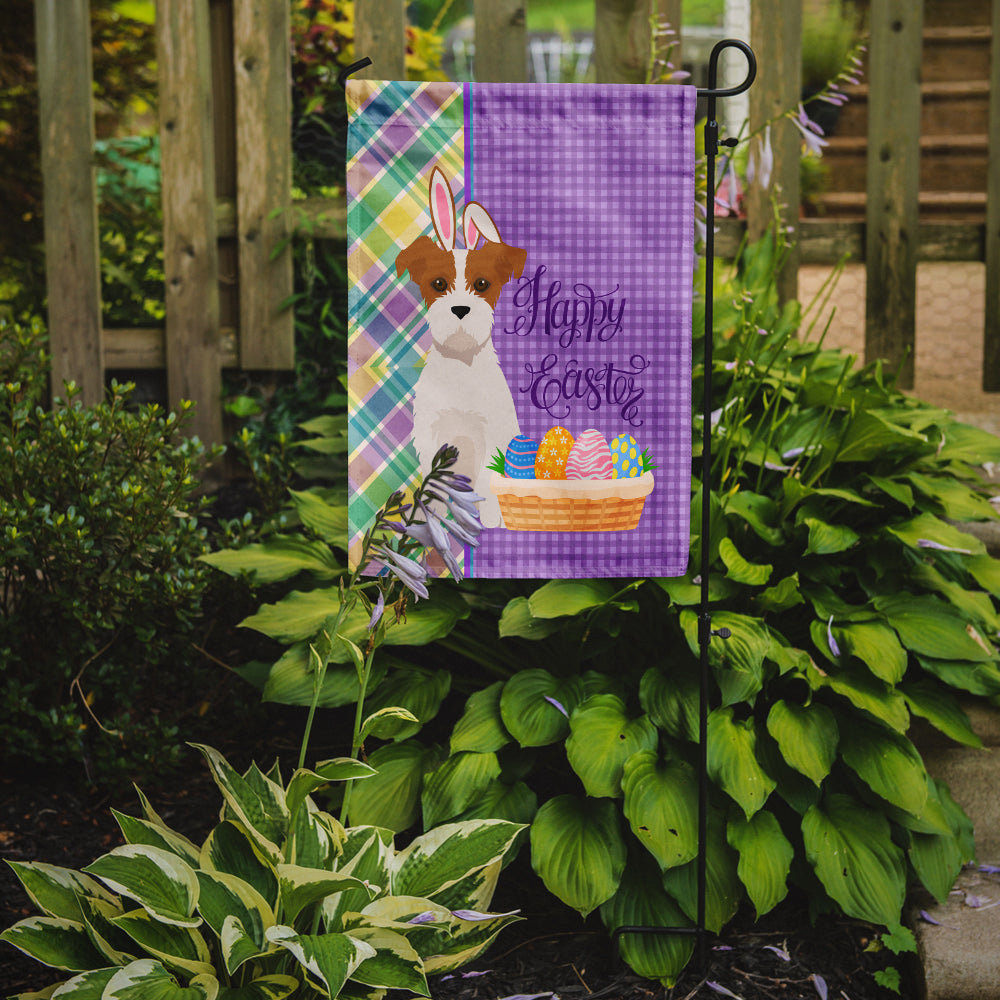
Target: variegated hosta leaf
x: 481, y: 727
x: 468, y: 939
x: 256, y: 801
x: 158, y: 880
x: 304, y: 782
x: 274, y: 987
x: 765, y: 858
x: 56, y: 891
x: 315, y: 838
x: 229, y: 848
x: 578, y: 851
x: 116, y: 946
x: 141, y: 831
x: 147, y: 979
x: 732, y: 760
x: 602, y: 737
x: 395, y: 964
x: 418, y: 690
x: 177, y: 947
x: 391, y: 799
x: 456, y: 784
x: 476, y: 890
x: 888, y: 763
x: 300, y: 887
x: 86, y: 986
x: 723, y: 889
x: 441, y: 857
x: 850, y: 847
x: 535, y: 706
x: 54, y: 941
x: 367, y: 853
x: 642, y: 902
x: 661, y: 799
x: 225, y: 897
x: 328, y: 959
x: 807, y: 736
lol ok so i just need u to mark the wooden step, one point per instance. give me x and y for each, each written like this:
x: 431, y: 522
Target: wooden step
x: 947, y: 162
x: 940, y: 13
x: 956, y: 53
x: 956, y: 206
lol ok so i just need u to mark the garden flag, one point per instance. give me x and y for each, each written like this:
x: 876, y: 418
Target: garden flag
x: 520, y: 264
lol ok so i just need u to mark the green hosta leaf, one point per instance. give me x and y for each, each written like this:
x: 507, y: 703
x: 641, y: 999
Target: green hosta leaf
x: 888, y: 763
x: 738, y: 661
x: 807, y: 736
x: 391, y: 798
x: 225, y: 897
x: 869, y: 436
x: 54, y: 941
x: 850, y: 848
x: 292, y: 680
x: 56, y: 891
x: 141, y: 831
x: 261, y: 809
x: 683, y: 591
x: 530, y: 706
x: 975, y: 605
x: 327, y: 520
x: 275, y: 987
x: 147, y: 979
x: 986, y: 572
x: 159, y: 881
x: 301, y: 887
x: 758, y: 511
x: 456, y: 784
x: 279, y: 558
x: 931, y: 628
x: 783, y: 595
x: 828, y: 539
x: 976, y: 678
x: 386, y: 723
x: 927, y: 528
x: 751, y: 574
x: 230, y: 849
x: 723, y: 889
x: 957, y: 501
x: 330, y: 959
x: 937, y: 859
x: 578, y: 851
x: 941, y: 709
x: 765, y: 858
x: 559, y: 598
x: 876, y: 646
x: 602, y: 738
x: 641, y: 901
x: 671, y: 699
x: 395, y: 964
x: 965, y: 443
x: 180, y: 948
x: 441, y: 857
x: 515, y: 803
x: 661, y: 799
x: 415, y: 689
x: 732, y: 760
x: 481, y: 728
x: 893, y: 488
x: 517, y: 620
x: 865, y: 692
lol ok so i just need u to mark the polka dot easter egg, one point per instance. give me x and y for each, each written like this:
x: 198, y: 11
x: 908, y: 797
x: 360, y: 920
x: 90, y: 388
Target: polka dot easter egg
x: 590, y: 457
x: 519, y: 459
x: 553, y: 453
x: 626, y: 459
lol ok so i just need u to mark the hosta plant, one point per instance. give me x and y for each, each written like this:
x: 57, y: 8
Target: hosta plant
x: 279, y: 900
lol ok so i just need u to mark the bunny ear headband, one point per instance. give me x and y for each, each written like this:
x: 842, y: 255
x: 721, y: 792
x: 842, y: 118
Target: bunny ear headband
x: 476, y: 220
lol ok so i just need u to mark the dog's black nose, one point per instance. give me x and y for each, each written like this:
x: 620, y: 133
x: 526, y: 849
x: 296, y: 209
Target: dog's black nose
x: 461, y: 311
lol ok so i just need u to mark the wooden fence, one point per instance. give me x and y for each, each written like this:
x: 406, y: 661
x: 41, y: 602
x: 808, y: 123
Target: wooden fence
x: 226, y: 161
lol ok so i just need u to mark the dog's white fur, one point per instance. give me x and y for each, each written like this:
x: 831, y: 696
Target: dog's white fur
x: 462, y: 397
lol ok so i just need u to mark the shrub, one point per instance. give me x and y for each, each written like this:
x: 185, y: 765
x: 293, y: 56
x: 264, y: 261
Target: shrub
x: 99, y: 539
x: 280, y: 899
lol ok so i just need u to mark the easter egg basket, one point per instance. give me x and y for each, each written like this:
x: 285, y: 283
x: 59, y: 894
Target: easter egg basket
x: 571, y: 504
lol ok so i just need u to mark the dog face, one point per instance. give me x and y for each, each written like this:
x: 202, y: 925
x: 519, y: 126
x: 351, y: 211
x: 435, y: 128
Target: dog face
x: 460, y: 287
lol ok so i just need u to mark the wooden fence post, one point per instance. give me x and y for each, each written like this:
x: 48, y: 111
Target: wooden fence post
x: 991, y: 332
x: 776, y: 35
x: 262, y: 61
x: 501, y: 41
x: 380, y: 34
x: 891, y: 242
x: 190, y: 251
x: 622, y: 40
x: 72, y: 255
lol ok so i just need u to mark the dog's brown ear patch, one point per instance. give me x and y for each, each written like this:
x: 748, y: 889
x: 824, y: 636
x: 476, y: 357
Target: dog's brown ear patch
x: 414, y: 258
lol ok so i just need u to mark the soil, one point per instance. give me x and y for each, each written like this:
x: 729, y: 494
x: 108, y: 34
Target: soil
x: 52, y: 819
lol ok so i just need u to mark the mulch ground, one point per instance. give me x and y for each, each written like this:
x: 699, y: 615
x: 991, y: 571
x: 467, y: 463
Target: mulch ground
x: 551, y: 952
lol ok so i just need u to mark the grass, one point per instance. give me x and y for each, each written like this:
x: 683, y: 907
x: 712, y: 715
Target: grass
x: 578, y: 15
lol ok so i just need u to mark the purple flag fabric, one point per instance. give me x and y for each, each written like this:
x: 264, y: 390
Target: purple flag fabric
x: 521, y: 265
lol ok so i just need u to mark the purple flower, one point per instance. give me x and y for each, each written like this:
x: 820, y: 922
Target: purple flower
x: 834, y: 648
x: 820, y: 983
x: 719, y: 988
x: 927, y: 543
x: 475, y: 915
x: 377, y: 612
x: 427, y: 917
x: 558, y: 705
x: 780, y: 952
x: 761, y: 163
x: 408, y: 571
x: 811, y: 132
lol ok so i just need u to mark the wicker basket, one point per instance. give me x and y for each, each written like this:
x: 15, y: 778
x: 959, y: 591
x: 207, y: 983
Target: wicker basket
x: 571, y: 504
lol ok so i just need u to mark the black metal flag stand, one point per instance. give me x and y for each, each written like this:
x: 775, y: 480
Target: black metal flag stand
x: 705, y: 631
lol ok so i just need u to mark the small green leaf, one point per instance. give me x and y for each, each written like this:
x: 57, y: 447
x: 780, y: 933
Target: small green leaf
x: 456, y: 784
x: 807, y: 736
x: 732, y: 760
x: 535, y: 706
x: 671, y: 699
x: 391, y: 798
x: 888, y: 763
x: 765, y: 858
x: 279, y: 558
x: 560, y: 598
x: 828, y: 539
x: 751, y: 574
x: 517, y: 620
x: 481, y: 727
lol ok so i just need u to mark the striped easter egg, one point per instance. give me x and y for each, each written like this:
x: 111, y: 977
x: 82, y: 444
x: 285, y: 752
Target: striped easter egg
x: 519, y: 459
x: 589, y: 458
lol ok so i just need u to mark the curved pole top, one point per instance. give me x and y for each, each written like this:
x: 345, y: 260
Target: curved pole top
x: 353, y: 68
x: 713, y: 69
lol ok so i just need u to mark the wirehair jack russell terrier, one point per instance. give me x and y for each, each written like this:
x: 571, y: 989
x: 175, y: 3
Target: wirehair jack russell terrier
x: 462, y: 397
